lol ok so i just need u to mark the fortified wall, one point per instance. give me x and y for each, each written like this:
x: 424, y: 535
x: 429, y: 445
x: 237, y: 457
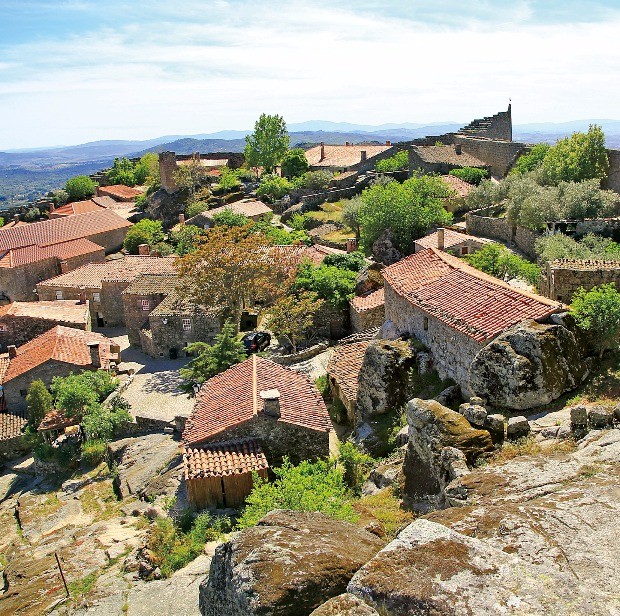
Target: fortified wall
x: 613, y: 179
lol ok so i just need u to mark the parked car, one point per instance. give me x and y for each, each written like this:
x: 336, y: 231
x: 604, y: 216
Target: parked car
x: 255, y: 342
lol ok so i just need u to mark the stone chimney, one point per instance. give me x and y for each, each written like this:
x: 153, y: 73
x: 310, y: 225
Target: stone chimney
x: 271, y: 402
x: 95, y: 360
x: 363, y: 156
x: 64, y: 266
x: 348, y: 143
x: 16, y: 218
x: 322, y: 150
x: 457, y: 148
x: 181, y: 219
x: 144, y: 250
x: 82, y: 297
x: 12, y: 349
x: 388, y: 142
x: 351, y: 245
x: 52, y: 208
x: 441, y: 238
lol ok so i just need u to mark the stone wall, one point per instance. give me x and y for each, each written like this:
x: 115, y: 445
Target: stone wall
x: 613, y: 179
x: 498, y: 155
x: 18, y: 283
x: 304, y: 354
x: 134, y: 314
x: 13, y: 447
x: 452, y: 351
x: 110, y: 240
x: 48, y: 293
x: 368, y: 319
x: 171, y: 336
x: 561, y: 279
x: 498, y: 126
x: 112, y: 302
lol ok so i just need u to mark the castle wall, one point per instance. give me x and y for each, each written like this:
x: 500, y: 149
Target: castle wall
x: 499, y: 155
x: 613, y: 179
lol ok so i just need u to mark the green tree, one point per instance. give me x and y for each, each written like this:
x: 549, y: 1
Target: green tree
x: 597, y: 312
x: 532, y: 160
x: 73, y: 395
x: 356, y: 464
x: 351, y: 215
x: 39, y: 402
x: 354, y: 261
x: 293, y: 315
x: 471, y: 175
x: 335, y: 285
x: 194, y: 208
x: 498, y: 261
x: 273, y: 187
x: 294, y: 163
x: 399, y: 161
x: 191, y: 178
x: 122, y: 172
x: 229, y: 181
x: 144, y: 232
x: 186, y: 238
x: 147, y: 170
x: 409, y: 210
x: 266, y: 146
x: 210, y: 360
x: 80, y: 187
x: 314, y: 180
x: 100, y: 422
x: 229, y: 218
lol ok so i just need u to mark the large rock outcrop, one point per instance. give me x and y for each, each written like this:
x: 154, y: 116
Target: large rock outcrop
x: 287, y: 565
x: 440, y: 441
x: 529, y: 365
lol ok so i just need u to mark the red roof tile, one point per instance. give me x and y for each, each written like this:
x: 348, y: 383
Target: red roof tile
x: 463, y: 297
x: 119, y: 191
x: 447, y: 154
x: 222, y: 459
x: 62, y: 250
x: 342, y: 155
x: 451, y: 238
x: 231, y: 398
x: 462, y: 187
x: 62, y: 344
x: 65, y: 311
x: 344, y: 367
x: 369, y: 301
x: 11, y: 422
x: 77, y: 207
x: 57, y: 420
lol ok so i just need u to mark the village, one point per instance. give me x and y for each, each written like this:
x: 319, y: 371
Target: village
x: 371, y: 335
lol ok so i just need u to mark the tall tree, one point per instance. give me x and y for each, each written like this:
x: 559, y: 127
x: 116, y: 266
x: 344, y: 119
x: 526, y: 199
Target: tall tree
x: 293, y: 316
x: 294, y: 163
x: 39, y: 402
x: 266, y: 146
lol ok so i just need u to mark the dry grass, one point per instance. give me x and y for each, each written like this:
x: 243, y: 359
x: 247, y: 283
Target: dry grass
x: 383, y: 508
x: 100, y: 501
x: 529, y: 447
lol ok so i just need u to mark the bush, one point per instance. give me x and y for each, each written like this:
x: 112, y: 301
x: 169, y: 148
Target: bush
x: 80, y: 187
x: 39, y: 402
x: 532, y: 161
x: 471, y: 175
x: 196, y: 207
x: 399, y: 161
x: 229, y: 180
x: 309, y: 486
x: 230, y: 218
x: 498, y: 261
x: 273, y: 187
x: 330, y: 283
x: 93, y: 451
x: 354, y: 261
x: 356, y: 464
x: 122, y: 172
x: 294, y: 163
x: 314, y: 180
x: 144, y: 232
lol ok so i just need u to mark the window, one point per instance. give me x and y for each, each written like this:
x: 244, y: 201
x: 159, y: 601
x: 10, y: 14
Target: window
x: 96, y: 297
x: 187, y: 325
x: 425, y: 324
x: 465, y: 250
x: 2, y: 327
x: 146, y: 304
x: 23, y: 393
x: 59, y: 294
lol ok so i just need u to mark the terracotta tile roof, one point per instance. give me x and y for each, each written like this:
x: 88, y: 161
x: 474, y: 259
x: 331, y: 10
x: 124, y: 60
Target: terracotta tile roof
x: 152, y: 284
x: 118, y: 270
x: 175, y: 305
x: 462, y: 297
x: 63, y: 250
x: 77, y: 207
x: 247, y: 208
x: 48, y: 232
x: 62, y: 344
x: 461, y: 187
x: 119, y: 191
x: 14, y: 223
x: 344, y: 367
x: 369, y: 301
x: 446, y: 154
x: 451, y: 238
x: 57, y: 420
x: 223, y: 459
x: 231, y: 398
x: 64, y: 310
x: 11, y: 423
x: 342, y: 155
x: 107, y: 202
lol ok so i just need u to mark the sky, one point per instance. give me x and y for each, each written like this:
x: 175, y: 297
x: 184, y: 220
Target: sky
x: 73, y: 71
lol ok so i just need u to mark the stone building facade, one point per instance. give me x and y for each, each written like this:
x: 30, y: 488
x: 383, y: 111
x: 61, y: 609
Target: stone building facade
x: 367, y: 311
x: 561, y: 279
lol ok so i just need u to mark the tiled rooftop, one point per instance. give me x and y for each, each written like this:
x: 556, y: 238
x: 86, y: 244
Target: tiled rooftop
x: 119, y: 270
x: 12, y: 423
x: 175, y: 305
x: 223, y: 459
x: 152, y: 284
x: 65, y: 311
x: 119, y: 191
x: 247, y: 208
x: 342, y: 155
x: 231, y: 398
x: 461, y: 296
x: 451, y: 238
x: 344, y: 367
x: 77, y: 207
x: 369, y: 301
x: 57, y: 420
x: 446, y: 154
x: 62, y: 344
x: 62, y: 250
x: 461, y: 187
x: 58, y: 230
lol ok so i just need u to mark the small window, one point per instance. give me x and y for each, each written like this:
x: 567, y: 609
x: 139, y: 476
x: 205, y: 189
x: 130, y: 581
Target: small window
x: 2, y: 327
x: 161, y: 354
x: 23, y: 392
x: 187, y: 325
x: 96, y: 297
x: 146, y: 304
x: 58, y: 294
x: 559, y: 298
x: 465, y: 250
x: 425, y: 324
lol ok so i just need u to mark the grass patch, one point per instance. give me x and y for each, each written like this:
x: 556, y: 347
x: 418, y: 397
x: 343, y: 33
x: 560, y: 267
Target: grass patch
x: 384, y: 508
x: 100, y: 501
x: 340, y: 236
x: 82, y: 587
x: 589, y: 470
x: 93, y: 451
x: 527, y: 446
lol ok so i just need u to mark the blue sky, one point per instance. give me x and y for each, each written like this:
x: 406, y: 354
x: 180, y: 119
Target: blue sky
x: 77, y: 70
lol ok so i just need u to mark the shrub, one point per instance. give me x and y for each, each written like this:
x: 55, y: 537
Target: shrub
x: 471, y: 175
x: 498, y: 261
x: 294, y: 163
x: 195, y: 207
x: 229, y: 218
x: 531, y: 161
x: 356, y: 464
x: 122, y: 172
x: 399, y: 161
x: 144, y: 232
x: 309, y: 486
x: 330, y: 283
x: 39, y: 402
x: 354, y: 261
x: 93, y: 451
x: 80, y: 187
x: 314, y: 180
x: 273, y: 187
x: 229, y: 180
x: 560, y: 246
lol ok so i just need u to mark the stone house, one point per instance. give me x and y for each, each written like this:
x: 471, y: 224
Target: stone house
x: 35, y: 252
x: 461, y: 189
x: 348, y: 157
x: 561, y: 279
x: 254, y: 210
x: 441, y: 159
x: 102, y: 285
x: 367, y: 311
x: 12, y: 424
x: 278, y: 408
x: 452, y: 241
x: 454, y: 309
x: 57, y: 352
x: 23, y: 321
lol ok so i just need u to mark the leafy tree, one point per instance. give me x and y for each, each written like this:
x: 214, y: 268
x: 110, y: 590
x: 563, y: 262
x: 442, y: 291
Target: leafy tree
x: 186, y: 238
x: 122, y: 172
x: 597, y: 311
x: 273, y: 187
x: 100, y: 422
x: 350, y: 215
x: 39, y: 401
x: 191, y: 177
x: 228, y: 181
x: 356, y: 465
x: 314, y: 180
x: 487, y: 193
x: 73, y: 395
x: 354, y: 261
x: 80, y: 187
x: 310, y: 486
x: 266, y: 146
x: 408, y: 210
x: 59, y: 197
x: 145, y: 231
x: 100, y: 381
x: 531, y: 161
x: 1, y: 221
x: 582, y: 156
x: 294, y: 163
x: 147, y: 170
x: 399, y: 161
x: 233, y: 266
x: 280, y: 237
x: 560, y: 246
x: 498, y: 261
x: 32, y: 214
x: 210, y: 360
x: 293, y: 315
x: 230, y: 218
x: 471, y: 175
x: 335, y: 285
